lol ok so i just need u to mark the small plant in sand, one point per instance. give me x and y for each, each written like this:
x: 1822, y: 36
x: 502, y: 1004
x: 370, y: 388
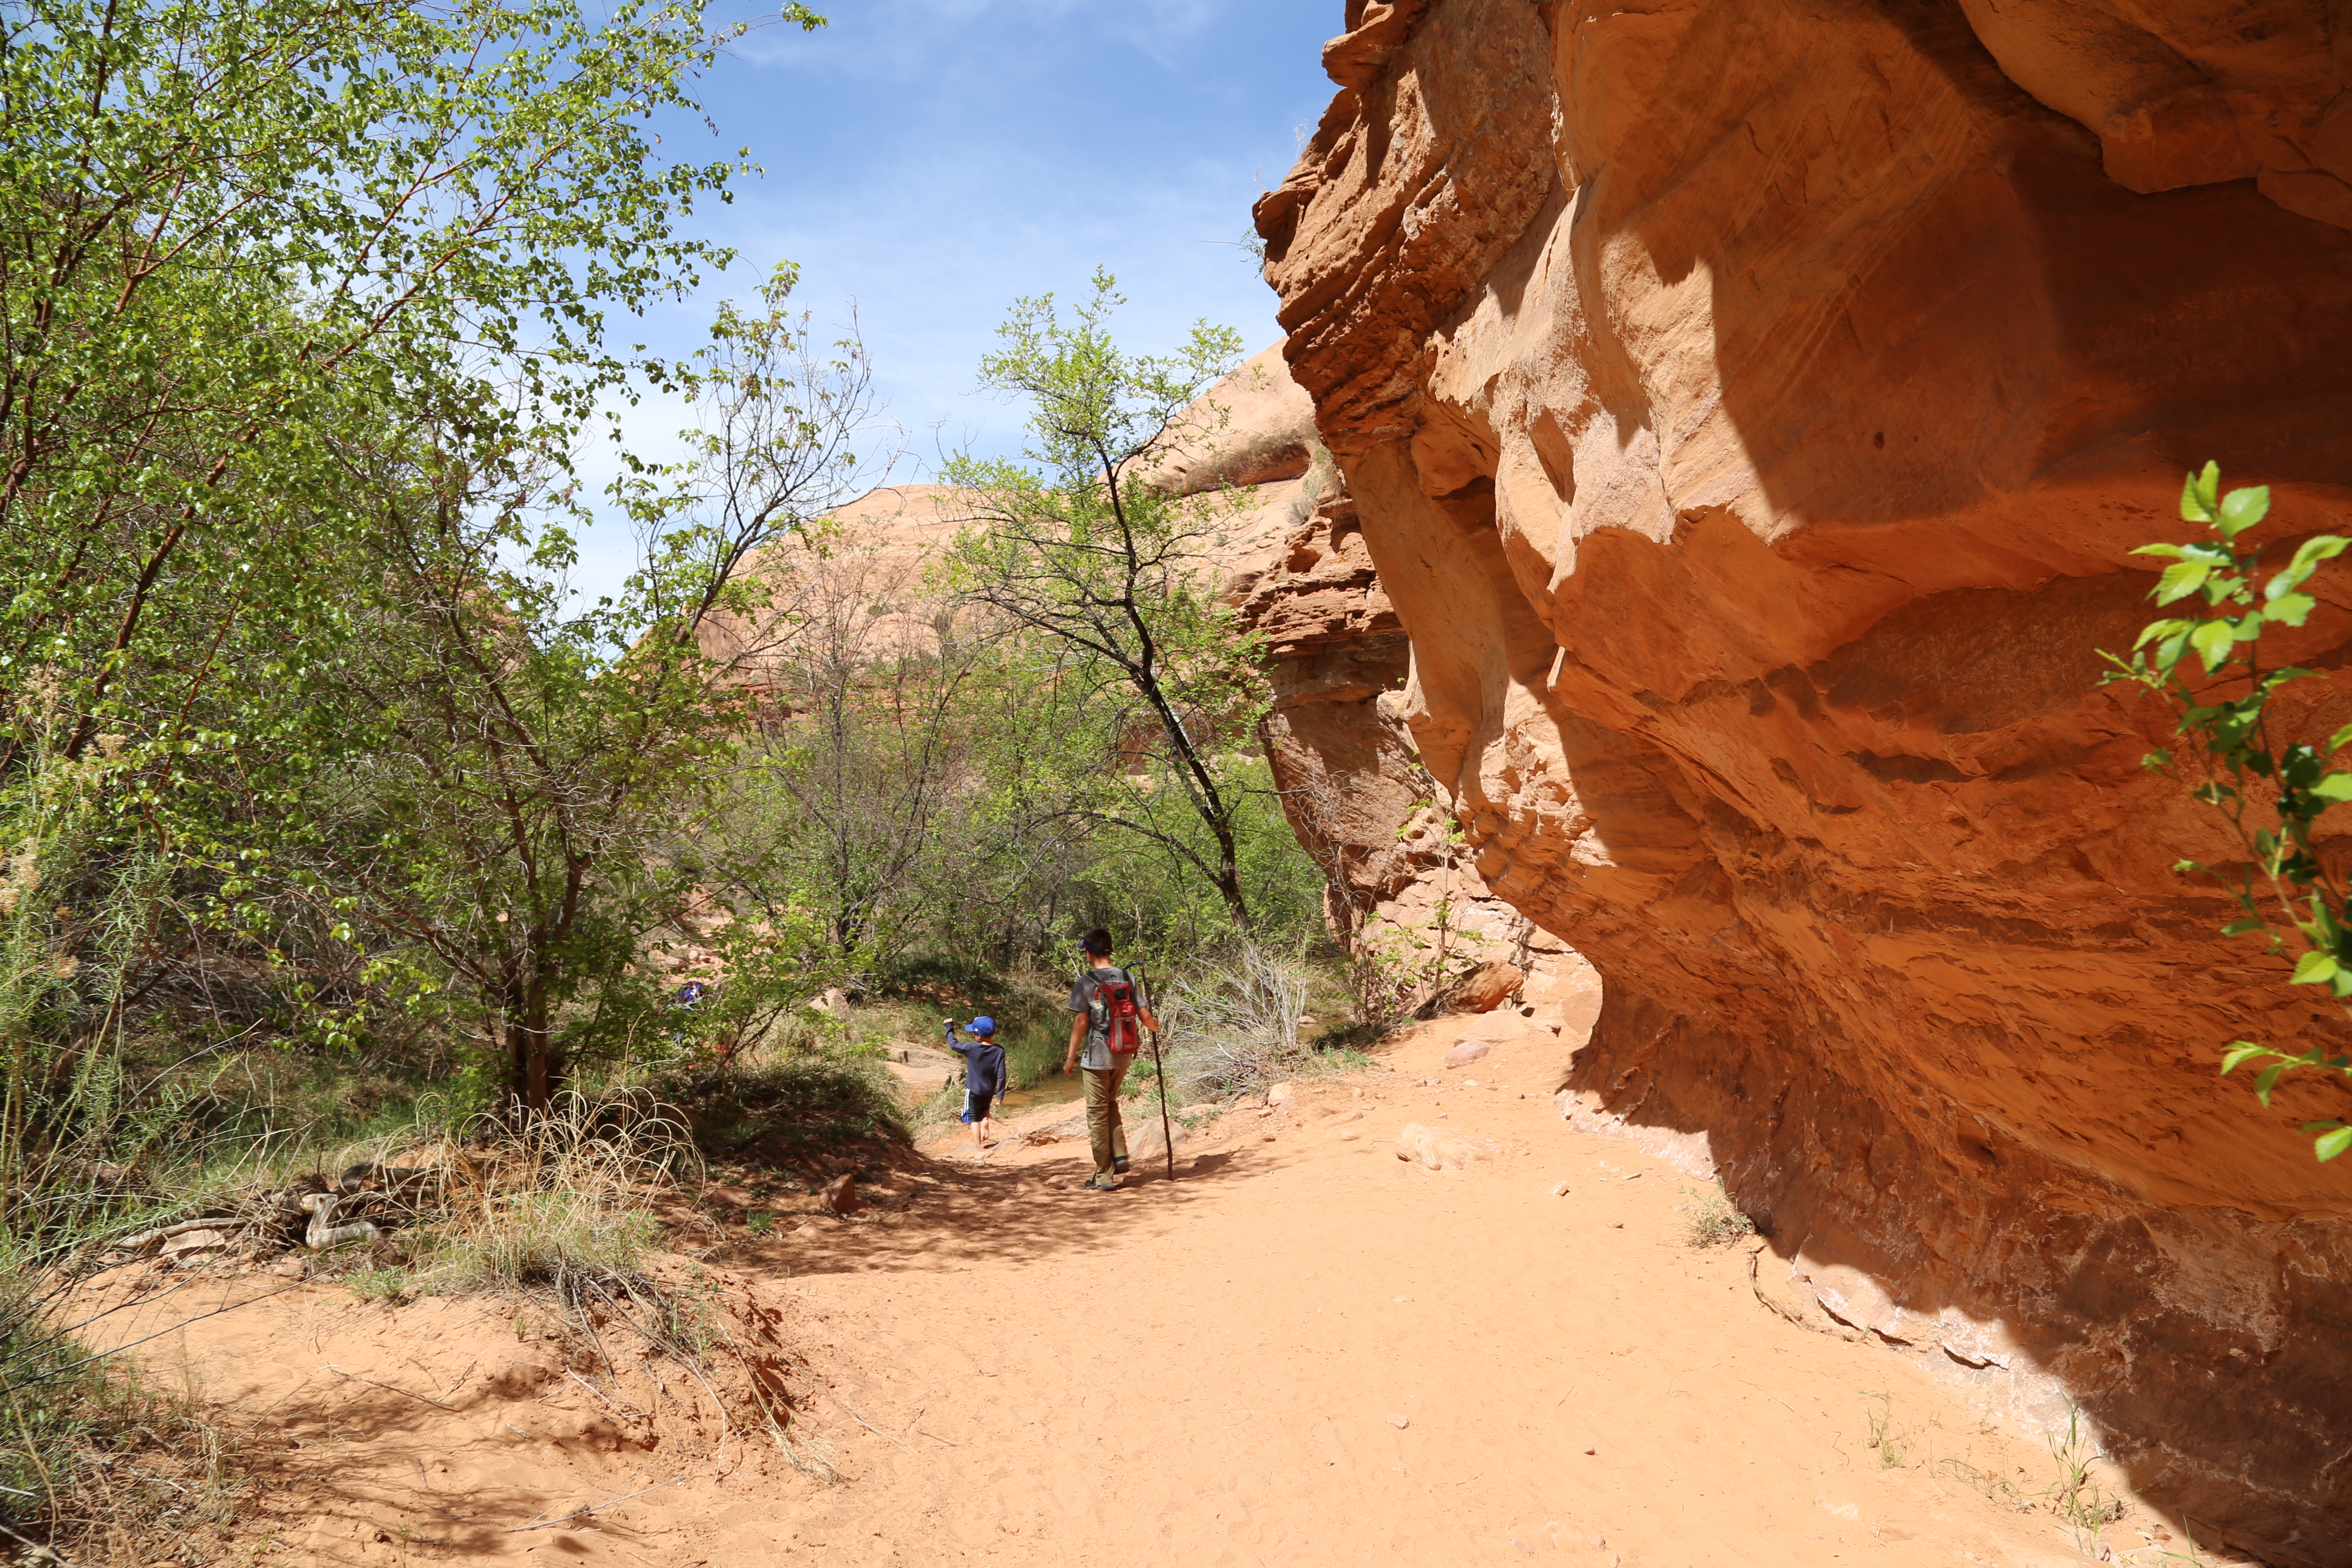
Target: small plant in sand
x: 1710, y: 1219
x: 384, y: 1287
x: 1891, y: 1443
x: 1994, y: 1488
x: 2076, y: 1497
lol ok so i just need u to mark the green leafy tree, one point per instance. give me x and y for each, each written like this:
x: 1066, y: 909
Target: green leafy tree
x: 917, y: 762
x: 229, y: 225
x: 1077, y: 547
x: 2241, y: 757
x: 860, y: 787
x: 505, y: 790
x: 259, y: 255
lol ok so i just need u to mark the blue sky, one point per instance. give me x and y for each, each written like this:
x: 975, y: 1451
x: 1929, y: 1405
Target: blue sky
x: 934, y: 158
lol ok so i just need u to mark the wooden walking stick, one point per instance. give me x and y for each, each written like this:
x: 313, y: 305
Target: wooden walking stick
x: 1159, y: 1073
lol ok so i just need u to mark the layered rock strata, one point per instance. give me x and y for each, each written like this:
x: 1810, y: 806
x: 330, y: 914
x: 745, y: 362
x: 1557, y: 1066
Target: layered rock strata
x: 1748, y: 408
x: 1401, y: 892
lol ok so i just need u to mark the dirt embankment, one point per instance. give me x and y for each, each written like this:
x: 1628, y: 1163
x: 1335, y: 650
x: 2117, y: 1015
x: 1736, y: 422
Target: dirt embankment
x: 1304, y: 1350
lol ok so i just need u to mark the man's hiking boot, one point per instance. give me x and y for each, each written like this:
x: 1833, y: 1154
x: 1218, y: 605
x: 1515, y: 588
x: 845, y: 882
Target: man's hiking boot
x: 1118, y: 1166
x: 1096, y: 1184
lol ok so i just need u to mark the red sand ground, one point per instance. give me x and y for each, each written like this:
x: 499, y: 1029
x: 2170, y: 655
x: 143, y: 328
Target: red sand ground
x: 1302, y: 1351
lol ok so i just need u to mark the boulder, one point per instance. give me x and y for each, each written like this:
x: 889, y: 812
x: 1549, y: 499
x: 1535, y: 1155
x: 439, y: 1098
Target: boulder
x: 1147, y: 1145
x: 1468, y: 1051
x: 1482, y: 989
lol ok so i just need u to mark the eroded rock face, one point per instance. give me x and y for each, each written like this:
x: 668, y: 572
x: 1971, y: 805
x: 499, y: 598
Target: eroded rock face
x: 1749, y: 409
x: 1398, y: 891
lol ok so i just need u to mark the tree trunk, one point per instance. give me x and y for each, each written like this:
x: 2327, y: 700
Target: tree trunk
x: 531, y: 1041
x: 1229, y: 875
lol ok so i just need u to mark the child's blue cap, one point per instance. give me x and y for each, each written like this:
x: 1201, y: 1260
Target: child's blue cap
x: 982, y: 1025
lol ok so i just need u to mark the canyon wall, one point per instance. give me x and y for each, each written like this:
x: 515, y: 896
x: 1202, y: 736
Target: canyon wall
x: 1748, y: 408
x: 1401, y: 889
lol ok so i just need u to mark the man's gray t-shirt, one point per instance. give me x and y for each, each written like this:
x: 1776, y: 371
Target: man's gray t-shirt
x: 1097, y: 1056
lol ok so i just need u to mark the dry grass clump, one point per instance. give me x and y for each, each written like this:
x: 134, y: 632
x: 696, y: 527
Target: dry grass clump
x: 1710, y: 1219
x: 1234, y: 1029
x: 559, y: 1199
x: 92, y: 1455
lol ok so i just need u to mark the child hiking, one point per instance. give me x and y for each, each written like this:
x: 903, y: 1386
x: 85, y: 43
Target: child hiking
x: 1110, y: 1013
x: 984, y: 1077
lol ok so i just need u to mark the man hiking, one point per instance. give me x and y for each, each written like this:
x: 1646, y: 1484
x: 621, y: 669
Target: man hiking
x: 1110, y: 1015
x: 984, y: 1078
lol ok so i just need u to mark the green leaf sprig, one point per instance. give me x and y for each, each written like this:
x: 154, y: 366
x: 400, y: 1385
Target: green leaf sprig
x: 2244, y: 766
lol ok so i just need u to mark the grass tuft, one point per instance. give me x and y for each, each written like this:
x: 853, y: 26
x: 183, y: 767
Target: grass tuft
x: 1711, y: 1219
x: 91, y: 1453
x: 1237, y: 1031
x: 558, y: 1198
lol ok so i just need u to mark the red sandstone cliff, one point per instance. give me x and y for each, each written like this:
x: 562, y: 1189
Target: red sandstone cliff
x: 1748, y: 408
x: 1351, y: 780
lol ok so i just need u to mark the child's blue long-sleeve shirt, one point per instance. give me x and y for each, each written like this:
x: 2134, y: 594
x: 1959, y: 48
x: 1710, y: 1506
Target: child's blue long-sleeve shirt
x: 984, y: 1062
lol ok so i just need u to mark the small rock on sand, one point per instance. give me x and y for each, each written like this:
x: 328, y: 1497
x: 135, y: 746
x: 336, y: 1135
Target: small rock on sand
x: 1399, y: 1422
x: 1559, y: 1189
x: 1150, y: 1142
x: 840, y: 1194
x: 1436, y: 1148
x: 1468, y: 1051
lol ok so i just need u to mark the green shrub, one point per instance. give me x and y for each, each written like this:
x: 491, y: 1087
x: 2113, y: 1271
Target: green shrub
x: 803, y: 1103
x: 1236, y: 1030
x: 2242, y: 759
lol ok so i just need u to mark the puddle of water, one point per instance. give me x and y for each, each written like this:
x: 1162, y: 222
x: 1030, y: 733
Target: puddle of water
x: 1054, y: 1090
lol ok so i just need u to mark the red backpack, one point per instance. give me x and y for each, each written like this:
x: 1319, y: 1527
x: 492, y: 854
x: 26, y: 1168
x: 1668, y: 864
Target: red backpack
x: 1120, y: 1010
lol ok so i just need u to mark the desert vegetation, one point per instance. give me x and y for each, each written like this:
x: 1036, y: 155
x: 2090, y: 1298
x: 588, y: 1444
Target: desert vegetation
x: 369, y: 891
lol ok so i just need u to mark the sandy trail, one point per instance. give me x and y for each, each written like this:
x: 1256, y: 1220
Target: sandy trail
x: 1302, y: 1351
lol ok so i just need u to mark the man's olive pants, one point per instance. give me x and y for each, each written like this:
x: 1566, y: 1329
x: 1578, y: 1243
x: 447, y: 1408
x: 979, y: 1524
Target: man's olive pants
x: 1104, y: 1129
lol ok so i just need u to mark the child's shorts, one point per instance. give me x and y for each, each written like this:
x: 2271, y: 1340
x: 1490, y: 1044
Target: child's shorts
x: 975, y: 1106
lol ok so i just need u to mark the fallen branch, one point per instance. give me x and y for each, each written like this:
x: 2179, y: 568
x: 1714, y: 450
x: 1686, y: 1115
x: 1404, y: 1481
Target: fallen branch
x: 599, y: 1393
x: 355, y: 1377
x: 592, y: 1508
x: 147, y: 1238
x: 38, y: 1552
x: 867, y: 1425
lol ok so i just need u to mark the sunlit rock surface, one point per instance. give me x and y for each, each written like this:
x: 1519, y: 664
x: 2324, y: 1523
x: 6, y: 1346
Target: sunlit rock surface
x: 1745, y: 409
